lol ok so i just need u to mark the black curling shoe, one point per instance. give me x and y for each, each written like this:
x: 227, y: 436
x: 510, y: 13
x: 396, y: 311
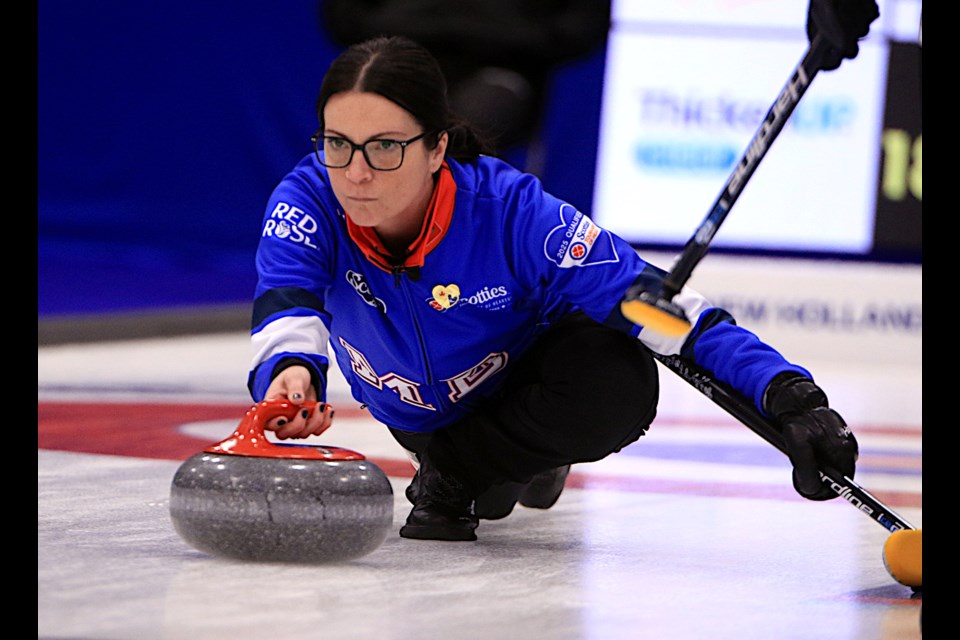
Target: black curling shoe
x: 430, y: 521
x: 495, y: 503
x: 545, y: 488
x: 442, y: 508
x: 498, y: 501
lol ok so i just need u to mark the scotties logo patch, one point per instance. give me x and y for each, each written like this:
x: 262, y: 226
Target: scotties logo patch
x: 489, y: 297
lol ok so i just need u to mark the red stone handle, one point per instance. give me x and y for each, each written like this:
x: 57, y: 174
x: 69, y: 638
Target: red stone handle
x: 249, y: 438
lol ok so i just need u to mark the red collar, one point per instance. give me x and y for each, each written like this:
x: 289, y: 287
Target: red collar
x: 435, y: 225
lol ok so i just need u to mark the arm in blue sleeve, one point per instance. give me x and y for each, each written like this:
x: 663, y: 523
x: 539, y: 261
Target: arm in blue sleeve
x: 735, y: 355
x: 288, y: 328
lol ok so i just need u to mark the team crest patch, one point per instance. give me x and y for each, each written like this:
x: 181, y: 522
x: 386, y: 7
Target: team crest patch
x: 578, y: 242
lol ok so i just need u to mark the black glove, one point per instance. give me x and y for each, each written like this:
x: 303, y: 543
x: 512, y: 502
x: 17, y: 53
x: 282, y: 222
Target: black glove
x: 842, y: 23
x: 816, y: 435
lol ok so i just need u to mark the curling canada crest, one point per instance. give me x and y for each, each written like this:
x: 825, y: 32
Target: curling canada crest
x: 578, y: 242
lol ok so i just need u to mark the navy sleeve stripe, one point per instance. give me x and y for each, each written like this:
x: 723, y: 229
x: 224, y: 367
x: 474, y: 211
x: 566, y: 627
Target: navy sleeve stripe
x: 282, y: 299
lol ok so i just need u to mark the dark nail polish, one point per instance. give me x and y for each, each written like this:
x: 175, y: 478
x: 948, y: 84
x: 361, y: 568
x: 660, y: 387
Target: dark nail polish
x: 305, y: 413
x: 281, y: 422
x: 332, y: 414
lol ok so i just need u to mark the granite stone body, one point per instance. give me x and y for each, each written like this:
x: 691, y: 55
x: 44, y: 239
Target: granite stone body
x: 281, y: 509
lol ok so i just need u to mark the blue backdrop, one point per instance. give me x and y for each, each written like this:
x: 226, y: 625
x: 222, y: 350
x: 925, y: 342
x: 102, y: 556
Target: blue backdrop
x: 163, y: 127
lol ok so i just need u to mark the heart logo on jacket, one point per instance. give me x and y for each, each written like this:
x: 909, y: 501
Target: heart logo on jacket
x: 446, y: 295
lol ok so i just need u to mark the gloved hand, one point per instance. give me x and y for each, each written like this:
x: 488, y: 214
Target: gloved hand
x: 816, y: 435
x: 842, y: 23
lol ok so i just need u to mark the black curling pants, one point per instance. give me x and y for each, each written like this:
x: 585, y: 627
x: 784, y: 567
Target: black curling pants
x: 582, y: 392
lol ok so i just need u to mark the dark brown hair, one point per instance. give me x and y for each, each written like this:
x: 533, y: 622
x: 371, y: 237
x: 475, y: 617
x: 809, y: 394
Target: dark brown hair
x: 408, y: 75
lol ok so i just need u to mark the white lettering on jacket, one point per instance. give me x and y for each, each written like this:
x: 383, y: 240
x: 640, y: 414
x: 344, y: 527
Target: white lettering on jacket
x: 409, y: 391
x: 290, y: 223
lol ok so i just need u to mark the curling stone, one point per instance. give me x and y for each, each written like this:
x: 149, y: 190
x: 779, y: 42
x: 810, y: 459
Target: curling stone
x: 247, y: 498
x: 903, y: 557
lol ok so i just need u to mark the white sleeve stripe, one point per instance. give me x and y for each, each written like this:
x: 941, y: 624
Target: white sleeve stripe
x: 693, y: 304
x: 295, y: 334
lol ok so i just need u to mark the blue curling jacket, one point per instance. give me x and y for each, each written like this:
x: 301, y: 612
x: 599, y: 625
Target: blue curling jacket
x: 423, y: 346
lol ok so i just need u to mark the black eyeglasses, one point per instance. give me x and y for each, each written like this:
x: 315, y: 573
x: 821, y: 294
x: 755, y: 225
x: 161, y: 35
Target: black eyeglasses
x: 381, y: 154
